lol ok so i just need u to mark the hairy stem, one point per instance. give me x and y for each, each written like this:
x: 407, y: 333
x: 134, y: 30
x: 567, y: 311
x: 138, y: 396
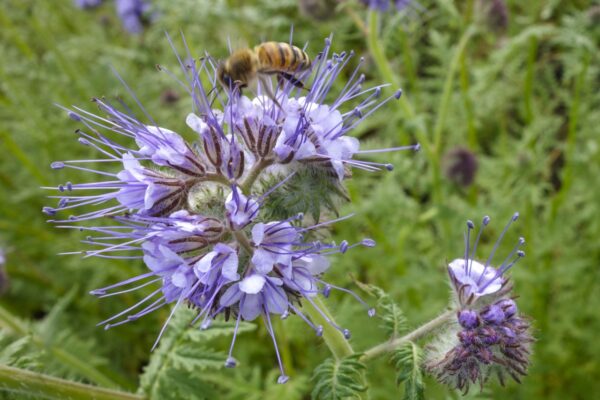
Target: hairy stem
x: 257, y: 168
x: 20, y: 381
x: 418, y: 333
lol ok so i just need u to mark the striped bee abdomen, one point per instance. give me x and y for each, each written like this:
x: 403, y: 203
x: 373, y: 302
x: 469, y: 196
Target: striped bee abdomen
x: 281, y: 57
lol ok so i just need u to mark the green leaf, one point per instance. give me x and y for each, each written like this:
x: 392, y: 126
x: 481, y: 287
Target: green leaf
x: 392, y: 317
x: 407, y: 360
x: 339, y: 379
x: 176, y: 368
x: 309, y: 191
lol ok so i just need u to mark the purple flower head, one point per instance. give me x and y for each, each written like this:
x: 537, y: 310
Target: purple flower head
x: 131, y: 13
x: 188, y: 209
x: 471, y: 279
x: 498, y: 345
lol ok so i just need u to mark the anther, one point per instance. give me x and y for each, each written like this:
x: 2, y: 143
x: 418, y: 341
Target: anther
x: 230, y: 362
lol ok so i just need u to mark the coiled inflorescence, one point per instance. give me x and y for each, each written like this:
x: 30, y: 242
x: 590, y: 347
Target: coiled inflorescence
x: 489, y: 337
x: 194, y: 212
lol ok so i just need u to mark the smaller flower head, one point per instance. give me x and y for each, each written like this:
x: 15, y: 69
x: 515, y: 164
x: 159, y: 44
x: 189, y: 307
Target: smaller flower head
x: 471, y: 279
x: 494, y: 341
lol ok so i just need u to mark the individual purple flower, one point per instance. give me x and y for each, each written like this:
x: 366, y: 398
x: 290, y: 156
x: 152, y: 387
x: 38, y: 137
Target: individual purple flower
x: 131, y: 13
x: 155, y: 189
x: 471, y: 279
x: 273, y: 244
x: 241, y: 210
x: 491, y: 342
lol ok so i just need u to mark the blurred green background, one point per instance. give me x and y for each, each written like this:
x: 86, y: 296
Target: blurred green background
x: 522, y: 96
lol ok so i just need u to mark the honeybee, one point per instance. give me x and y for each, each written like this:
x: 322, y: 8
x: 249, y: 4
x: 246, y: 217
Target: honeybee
x: 244, y: 66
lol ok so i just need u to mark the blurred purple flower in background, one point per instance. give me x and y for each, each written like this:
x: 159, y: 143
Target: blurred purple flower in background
x: 132, y: 13
x: 384, y: 5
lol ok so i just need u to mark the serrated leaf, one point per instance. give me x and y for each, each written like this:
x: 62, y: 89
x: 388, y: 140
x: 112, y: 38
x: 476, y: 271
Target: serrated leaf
x: 339, y: 379
x: 407, y: 362
x: 309, y: 191
x: 176, y: 367
x: 392, y: 317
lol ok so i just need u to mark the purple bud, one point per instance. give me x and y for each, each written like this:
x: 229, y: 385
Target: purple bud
x: 57, y: 165
x: 493, y: 315
x: 343, y: 246
x: 326, y: 290
x: 347, y: 334
x: 398, y: 94
x: 283, y: 379
x: 508, y: 306
x: 320, y: 330
x: 371, y: 312
x: 468, y: 319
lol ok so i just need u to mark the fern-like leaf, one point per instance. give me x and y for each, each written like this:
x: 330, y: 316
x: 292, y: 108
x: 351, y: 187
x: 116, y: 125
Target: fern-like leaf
x: 407, y: 361
x: 339, y: 379
x: 392, y: 317
x: 176, y: 367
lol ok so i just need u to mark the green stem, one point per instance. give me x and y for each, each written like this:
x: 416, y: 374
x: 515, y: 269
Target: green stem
x: 334, y: 339
x: 418, y: 333
x: 246, y: 185
x: 72, y: 361
x: 15, y: 380
x: 447, y: 92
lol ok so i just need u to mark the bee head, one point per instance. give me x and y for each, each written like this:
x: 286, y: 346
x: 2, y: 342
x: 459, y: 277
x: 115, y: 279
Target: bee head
x: 224, y: 76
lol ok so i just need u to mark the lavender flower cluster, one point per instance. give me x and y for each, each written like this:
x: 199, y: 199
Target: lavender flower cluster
x: 193, y: 211
x: 131, y: 12
x: 489, y: 337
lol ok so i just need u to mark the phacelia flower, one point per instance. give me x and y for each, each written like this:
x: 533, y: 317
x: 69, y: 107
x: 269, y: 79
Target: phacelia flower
x: 191, y: 210
x: 489, y: 337
x: 471, y: 279
x: 494, y: 341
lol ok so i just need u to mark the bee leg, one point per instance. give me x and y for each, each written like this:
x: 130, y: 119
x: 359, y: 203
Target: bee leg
x: 284, y: 76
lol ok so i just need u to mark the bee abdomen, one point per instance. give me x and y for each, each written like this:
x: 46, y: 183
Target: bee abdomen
x: 280, y: 56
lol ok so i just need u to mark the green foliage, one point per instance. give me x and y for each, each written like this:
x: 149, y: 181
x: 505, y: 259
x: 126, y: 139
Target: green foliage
x: 309, y: 191
x: 339, y: 379
x: 177, y: 368
x: 407, y: 361
x: 393, y: 319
